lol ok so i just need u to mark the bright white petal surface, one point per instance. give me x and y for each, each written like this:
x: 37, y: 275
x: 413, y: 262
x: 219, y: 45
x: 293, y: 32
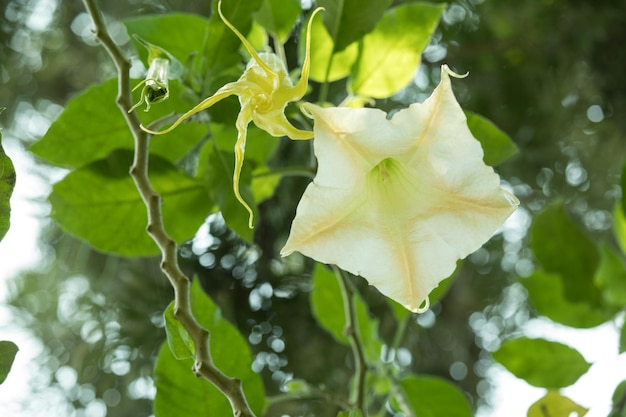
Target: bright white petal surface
x: 398, y: 201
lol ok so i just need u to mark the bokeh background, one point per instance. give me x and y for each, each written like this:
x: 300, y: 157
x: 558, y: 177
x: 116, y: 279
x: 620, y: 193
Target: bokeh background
x: 547, y: 72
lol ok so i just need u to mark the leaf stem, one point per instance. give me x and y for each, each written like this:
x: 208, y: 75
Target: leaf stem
x: 354, y: 335
x: 203, y: 366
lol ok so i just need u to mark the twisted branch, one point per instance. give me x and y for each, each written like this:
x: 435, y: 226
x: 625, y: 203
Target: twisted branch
x: 203, y: 366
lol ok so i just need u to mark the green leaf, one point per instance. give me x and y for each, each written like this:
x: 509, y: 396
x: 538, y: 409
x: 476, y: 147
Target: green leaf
x: 546, y: 295
x: 542, y: 363
x: 431, y: 396
x: 216, y: 168
x: 178, y: 339
x: 260, y: 145
x: 554, y: 404
x: 619, y: 227
x: 348, y: 20
x: 390, y: 54
x: 222, y: 46
x: 7, y: 183
x: 91, y: 127
x: 622, y: 339
x: 618, y: 408
x: 624, y: 189
x: 327, y: 302
x: 181, y: 393
x: 179, y: 34
x: 8, y: 350
x: 497, y: 145
x: 368, y: 329
x: 279, y: 17
x: 355, y: 412
x: 327, y: 65
x: 100, y: 204
x: 562, y: 248
x: 611, y: 277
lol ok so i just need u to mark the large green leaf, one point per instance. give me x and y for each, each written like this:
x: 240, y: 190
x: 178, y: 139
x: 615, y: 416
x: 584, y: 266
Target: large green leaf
x: 91, y: 126
x: 8, y: 350
x: 99, y: 203
x: 542, y: 363
x: 431, y: 396
x: 181, y: 35
x: 327, y: 302
x: 355, y: 412
x: 181, y: 393
x: 546, y: 295
x: 327, y: 65
x: 554, y: 404
x: 348, y: 20
x: 497, y: 145
x: 278, y: 17
x: 390, y: 54
x: 562, y: 248
x: 7, y: 183
x: 611, y: 278
x: 222, y: 46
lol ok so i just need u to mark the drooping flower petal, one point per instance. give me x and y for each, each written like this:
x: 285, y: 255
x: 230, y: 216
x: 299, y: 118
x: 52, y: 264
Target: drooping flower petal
x: 398, y: 201
x: 264, y: 90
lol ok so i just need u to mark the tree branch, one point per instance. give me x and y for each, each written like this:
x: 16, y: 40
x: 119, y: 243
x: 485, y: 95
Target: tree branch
x: 203, y: 367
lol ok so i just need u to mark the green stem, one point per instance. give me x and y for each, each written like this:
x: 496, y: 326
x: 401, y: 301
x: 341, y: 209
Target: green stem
x: 203, y: 366
x: 354, y: 335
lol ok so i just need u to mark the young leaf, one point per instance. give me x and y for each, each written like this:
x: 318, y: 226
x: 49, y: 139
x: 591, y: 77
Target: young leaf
x: 181, y: 393
x: 555, y: 404
x: 7, y: 183
x: 91, y: 127
x: 327, y: 302
x: 497, y: 145
x: 545, y: 293
x: 562, y: 248
x: 390, y: 54
x: 178, y: 339
x: 278, y: 17
x: 542, y: 363
x: 348, y: 20
x: 8, y: 350
x: 432, y: 396
x: 100, y: 204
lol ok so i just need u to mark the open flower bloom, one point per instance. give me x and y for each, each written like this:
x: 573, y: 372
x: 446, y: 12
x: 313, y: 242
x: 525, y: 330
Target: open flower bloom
x: 264, y: 90
x: 398, y: 201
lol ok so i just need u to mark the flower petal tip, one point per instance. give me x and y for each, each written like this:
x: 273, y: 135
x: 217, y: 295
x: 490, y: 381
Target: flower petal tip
x: 446, y: 70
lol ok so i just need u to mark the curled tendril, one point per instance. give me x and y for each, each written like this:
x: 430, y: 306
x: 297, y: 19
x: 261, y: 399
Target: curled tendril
x: 264, y: 89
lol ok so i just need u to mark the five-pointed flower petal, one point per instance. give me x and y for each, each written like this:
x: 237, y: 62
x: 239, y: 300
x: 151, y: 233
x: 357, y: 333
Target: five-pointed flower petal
x: 400, y: 200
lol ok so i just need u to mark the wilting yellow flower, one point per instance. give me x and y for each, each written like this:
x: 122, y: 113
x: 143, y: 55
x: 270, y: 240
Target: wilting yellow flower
x: 264, y: 90
x: 398, y: 201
